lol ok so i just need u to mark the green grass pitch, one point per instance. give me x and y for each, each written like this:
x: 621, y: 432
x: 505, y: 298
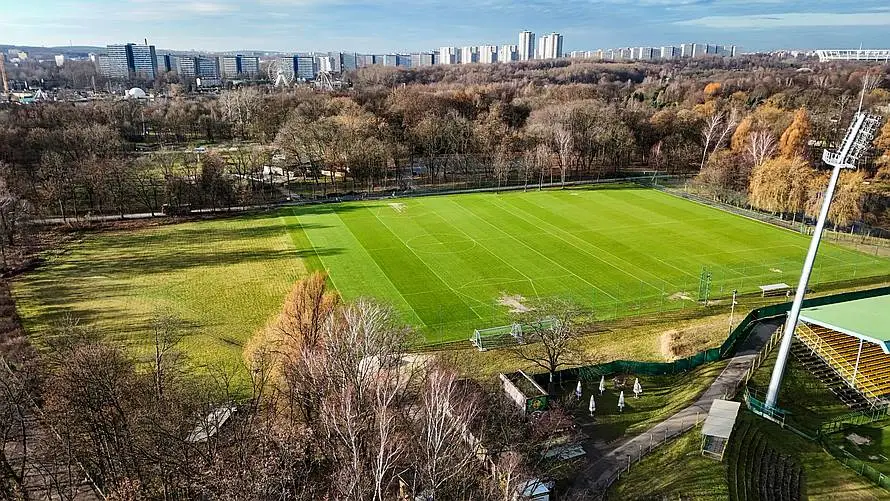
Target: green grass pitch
x: 445, y: 263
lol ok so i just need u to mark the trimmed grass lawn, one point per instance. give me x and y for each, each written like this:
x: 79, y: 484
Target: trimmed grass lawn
x: 445, y: 263
x: 663, y: 396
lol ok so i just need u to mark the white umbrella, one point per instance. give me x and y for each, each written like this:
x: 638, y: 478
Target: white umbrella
x: 637, y: 388
x: 621, y: 401
x: 602, y: 384
x: 592, y: 406
x: 578, y: 390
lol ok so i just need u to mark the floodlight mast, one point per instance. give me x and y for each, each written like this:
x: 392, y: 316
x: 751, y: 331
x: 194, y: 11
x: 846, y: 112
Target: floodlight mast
x: 857, y: 140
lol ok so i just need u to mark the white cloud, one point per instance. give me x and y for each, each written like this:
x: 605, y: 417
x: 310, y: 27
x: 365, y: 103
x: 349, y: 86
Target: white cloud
x: 207, y: 7
x: 790, y: 20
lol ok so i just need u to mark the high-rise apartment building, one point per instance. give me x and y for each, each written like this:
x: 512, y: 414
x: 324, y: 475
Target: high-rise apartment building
x: 325, y: 64
x: 349, y: 61
x: 234, y: 67
x: 488, y: 54
x: 122, y: 60
x: 526, y: 45
x: 166, y: 62
x: 249, y: 66
x: 184, y: 66
x: 144, y: 62
x: 550, y: 46
x: 207, y: 67
x: 306, y: 68
x: 420, y: 59
x: 449, y: 55
x: 469, y: 54
x: 364, y: 60
x: 508, y: 53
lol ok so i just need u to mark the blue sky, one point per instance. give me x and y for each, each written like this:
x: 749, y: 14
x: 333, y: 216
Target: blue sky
x: 411, y: 25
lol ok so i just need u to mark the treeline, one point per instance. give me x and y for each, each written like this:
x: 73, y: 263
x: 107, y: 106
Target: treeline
x: 445, y: 126
x: 327, y: 405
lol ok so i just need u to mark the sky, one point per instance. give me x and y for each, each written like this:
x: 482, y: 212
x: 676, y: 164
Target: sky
x: 376, y: 26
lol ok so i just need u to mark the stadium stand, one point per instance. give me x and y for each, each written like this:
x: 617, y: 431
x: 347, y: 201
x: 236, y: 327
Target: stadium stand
x: 846, y: 345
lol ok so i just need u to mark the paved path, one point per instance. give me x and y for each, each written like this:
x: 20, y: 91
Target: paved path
x: 600, y: 474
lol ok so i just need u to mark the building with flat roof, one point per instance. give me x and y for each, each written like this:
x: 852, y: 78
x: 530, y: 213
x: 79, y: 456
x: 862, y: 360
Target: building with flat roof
x: 306, y: 66
x: 550, y: 46
x: 449, y: 55
x: 207, y: 67
x: 469, y: 54
x: 526, y: 45
x: 508, y: 53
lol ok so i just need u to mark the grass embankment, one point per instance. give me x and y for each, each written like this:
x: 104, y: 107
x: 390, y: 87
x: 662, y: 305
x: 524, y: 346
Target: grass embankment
x: 763, y: 461
x: 674, y: 471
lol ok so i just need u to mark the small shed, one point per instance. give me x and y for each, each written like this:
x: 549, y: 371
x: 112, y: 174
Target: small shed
x: 718, y: 427
x: 523, y: 390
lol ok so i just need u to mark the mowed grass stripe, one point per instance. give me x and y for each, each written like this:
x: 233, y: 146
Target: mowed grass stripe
x: 411, y: 272
x: 537, y: 215
x: 633, y: 256
x: 358, y: 273
x: 542, y: 243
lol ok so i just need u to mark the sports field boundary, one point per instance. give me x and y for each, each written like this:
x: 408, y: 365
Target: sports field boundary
x: 771, y: 219
x: 638, y: 180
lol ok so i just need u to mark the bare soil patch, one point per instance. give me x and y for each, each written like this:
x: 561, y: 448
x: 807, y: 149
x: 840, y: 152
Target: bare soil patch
x: 514, y: 302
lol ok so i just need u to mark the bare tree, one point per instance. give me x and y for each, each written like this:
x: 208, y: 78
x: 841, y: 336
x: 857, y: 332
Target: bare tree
x: 550, y: 333
x: 761, y: 147
x: 709, y: 132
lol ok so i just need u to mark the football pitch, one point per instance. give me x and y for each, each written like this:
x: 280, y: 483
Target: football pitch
x: 447, y: 264
x: 452, y: 264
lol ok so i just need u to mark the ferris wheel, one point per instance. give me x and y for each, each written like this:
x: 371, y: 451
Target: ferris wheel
x: 280, y: 74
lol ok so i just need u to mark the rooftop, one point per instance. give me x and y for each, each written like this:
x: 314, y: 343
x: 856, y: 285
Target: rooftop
x: 867, y: 319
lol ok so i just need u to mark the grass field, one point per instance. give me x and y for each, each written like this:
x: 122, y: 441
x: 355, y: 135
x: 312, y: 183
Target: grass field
x: 445, y: 262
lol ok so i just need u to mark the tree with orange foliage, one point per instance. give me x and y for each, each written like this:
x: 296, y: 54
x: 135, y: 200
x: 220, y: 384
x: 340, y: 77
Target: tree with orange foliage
x: 712, y: 89
x: 781, y: 185
x: 741, y: 135
x: 306, y: 308
x: 794, y: 139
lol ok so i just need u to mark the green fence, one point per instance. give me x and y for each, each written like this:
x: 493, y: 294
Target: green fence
x: 726, y: 350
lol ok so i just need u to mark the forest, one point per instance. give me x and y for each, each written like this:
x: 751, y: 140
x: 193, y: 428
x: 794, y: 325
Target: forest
x: 749, y: 131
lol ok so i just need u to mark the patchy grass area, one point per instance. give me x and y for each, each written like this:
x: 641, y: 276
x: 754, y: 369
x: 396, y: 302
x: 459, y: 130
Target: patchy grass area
x: 662, y: 397
x: 224, y: 278
x: 674, y: 471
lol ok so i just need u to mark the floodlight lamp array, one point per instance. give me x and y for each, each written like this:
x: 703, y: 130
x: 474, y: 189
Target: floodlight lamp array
x: 857, y: 141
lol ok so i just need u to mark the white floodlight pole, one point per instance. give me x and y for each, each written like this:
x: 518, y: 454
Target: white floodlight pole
x: 838, y: 163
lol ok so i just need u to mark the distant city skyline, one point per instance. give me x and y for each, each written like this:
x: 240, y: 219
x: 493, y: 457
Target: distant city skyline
x: 409, y: 26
